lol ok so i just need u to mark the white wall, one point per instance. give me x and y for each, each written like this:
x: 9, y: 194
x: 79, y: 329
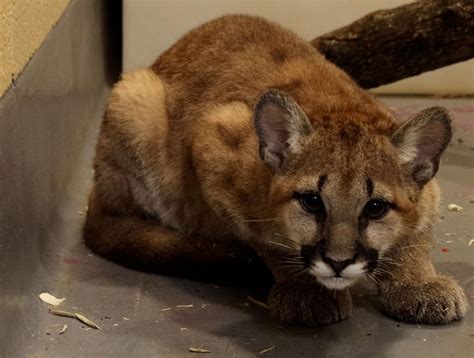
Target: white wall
x: 151, y: 26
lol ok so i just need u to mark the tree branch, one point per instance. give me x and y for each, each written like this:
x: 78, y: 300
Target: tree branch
x: 388, y: 45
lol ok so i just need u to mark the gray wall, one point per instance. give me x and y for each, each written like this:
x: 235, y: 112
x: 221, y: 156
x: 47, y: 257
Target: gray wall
x: 48, y: 123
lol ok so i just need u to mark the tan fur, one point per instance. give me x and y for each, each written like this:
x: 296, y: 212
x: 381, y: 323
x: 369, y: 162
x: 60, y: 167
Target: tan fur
x: 179, y: 183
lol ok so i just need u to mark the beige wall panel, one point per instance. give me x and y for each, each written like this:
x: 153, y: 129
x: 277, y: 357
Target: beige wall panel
x: 23, y: 26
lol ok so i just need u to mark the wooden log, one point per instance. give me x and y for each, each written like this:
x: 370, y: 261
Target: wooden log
x: 388, y: 45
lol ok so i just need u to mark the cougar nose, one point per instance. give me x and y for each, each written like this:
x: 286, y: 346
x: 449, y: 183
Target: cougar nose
x: 338, y: 266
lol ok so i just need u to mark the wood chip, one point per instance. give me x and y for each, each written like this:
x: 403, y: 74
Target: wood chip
x: 258, y: 303
x: 471, y: 242
x: 198, y: 350
x: 86, y: 321
x: 184, y: 306
x: 183, y: 329
x: 450, y: 234
x: 267, y: 350
x: 454, y: 207
x: 62, y: 330
x: 50, y: 299
x: 166, y: 309
x: 75, y: 315
x: 62, y: 313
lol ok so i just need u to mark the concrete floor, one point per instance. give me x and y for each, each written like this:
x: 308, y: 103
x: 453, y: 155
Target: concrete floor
x: 132, y: 307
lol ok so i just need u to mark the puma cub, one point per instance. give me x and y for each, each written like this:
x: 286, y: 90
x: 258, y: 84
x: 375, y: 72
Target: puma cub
x: 242, y: 139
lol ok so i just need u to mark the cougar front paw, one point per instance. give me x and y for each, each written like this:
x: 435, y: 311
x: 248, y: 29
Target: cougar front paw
x: 438, y: 300
x: 309, y: 303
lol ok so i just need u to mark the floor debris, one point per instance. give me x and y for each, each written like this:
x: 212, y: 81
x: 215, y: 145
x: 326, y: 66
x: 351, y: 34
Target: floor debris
x: 267, y: 350
x: 258, y: 303
x: 184, y: 306
x: 166, y: 309
x: 50, y: 299
x: 86, y: 321
x: 445, y: 249
x: 62, y: 330
x: 471, y: 242
x: 75, y: 315
x: 450, y: 234
x: 199, y: 350
x: 454, y: 207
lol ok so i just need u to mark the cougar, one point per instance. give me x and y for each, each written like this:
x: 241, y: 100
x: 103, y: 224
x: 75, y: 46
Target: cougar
x: 241, y: 140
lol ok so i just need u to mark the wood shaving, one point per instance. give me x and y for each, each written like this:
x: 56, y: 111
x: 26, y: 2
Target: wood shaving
x: 75, y: 315
x: 450, y: 234
x: 166, y: 309
x: 86, y: 321
x: 267, y: 350
x: 454, y: 207
x: 199, y: 350
x: 183, y: 329
x: 184, y: 306
x: 62, y: 330
x: 50, y: 299
x: 62, y: 313
x: 126, y: 318
x: 258, y: 303
x: 471, y: 242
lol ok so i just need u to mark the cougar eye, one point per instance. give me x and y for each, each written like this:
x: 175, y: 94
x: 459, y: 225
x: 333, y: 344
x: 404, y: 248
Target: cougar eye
x: 376, y: 208
x: 311, y: 202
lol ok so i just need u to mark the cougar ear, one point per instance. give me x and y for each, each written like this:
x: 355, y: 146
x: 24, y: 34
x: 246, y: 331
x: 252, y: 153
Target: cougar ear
x: 281, y: 125
x: 421, y: 140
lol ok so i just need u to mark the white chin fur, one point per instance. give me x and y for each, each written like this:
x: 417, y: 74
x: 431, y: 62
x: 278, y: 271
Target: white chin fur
x: 336, y: 283
x: 326, y: 275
